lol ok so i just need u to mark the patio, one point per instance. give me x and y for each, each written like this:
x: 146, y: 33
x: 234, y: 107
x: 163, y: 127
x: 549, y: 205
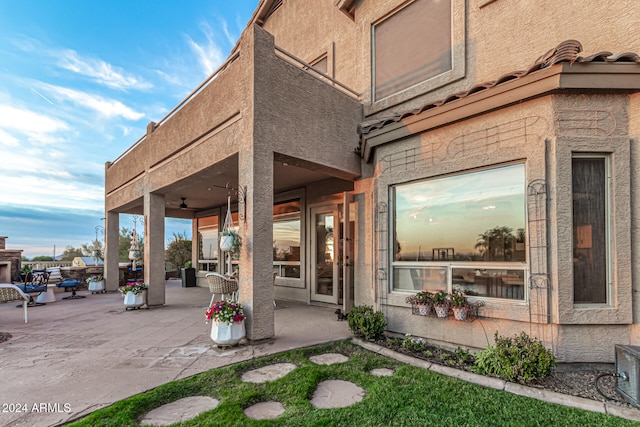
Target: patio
x: 75, y: 356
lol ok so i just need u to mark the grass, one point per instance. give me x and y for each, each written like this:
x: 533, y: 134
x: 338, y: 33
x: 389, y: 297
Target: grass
x: 410, y: 397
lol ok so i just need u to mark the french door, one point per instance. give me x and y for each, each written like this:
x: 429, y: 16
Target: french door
x: 332, y: 253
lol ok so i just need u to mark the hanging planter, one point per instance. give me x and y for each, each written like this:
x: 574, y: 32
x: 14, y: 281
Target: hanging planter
x: 229, y: 241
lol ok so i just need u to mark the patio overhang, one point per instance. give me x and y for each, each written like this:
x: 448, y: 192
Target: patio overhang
x: 257, y: 101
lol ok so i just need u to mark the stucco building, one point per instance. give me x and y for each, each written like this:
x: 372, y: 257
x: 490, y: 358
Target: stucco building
x: 378, y: 148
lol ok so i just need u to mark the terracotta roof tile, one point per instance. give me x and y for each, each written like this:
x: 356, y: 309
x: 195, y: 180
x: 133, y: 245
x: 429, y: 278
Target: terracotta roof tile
x: 567, y: 51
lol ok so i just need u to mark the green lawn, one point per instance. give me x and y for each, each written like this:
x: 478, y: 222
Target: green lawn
x: 410, y: 397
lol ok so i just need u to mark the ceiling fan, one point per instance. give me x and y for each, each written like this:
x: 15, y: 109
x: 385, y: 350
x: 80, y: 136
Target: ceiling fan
x: 183, y: 206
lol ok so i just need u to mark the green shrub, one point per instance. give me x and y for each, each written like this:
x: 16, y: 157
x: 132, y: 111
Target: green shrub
x: 519, y: 358
x: 366, y: 323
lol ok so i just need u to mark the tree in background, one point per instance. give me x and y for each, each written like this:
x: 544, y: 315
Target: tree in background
x: 178, y: 251
x: 125, y: 244
x: 70, y: 253
x: 88, y: 249
x: 42, y: 258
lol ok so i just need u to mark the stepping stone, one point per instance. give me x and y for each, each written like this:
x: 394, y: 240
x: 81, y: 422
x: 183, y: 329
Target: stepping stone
x: 265, y: 411
x: 336, y: 394
x: 268, y: 373
x: 382, y: 372
x: 329, y: 358
x: 179, y: 411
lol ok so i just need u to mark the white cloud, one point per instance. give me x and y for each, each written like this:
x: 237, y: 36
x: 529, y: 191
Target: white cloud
x: 48, y: 190
x: 38, y: 127
x: 8, y: 140
x: 104, y: 106
x: 231, y: 38
x: 209, y: 54
x: 103, y: 72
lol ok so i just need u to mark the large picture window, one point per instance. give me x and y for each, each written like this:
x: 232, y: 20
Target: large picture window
x: 286, y: 239
x: 464, y: 231
x: 411, y: 46
x: 590, y: 227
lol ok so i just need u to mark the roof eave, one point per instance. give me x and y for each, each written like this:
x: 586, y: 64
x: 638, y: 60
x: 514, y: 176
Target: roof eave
x: 555, y: 79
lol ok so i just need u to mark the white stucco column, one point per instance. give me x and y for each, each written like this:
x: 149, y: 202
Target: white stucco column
x: 154, y: 255
x: 112, y: 251
x: 255, y: 169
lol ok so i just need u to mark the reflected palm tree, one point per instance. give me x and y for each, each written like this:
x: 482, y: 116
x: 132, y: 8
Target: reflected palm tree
x: 496, y: 244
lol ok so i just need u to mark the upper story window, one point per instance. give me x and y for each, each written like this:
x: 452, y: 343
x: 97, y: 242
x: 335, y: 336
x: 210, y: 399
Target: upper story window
x: 411, y: 46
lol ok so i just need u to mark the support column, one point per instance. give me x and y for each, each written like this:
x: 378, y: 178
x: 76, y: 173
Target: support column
x: 112, y: 251
x: 154, y: 255
x: 255, y: 170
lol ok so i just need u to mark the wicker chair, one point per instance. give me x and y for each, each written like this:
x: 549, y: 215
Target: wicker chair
x: 13, y: 293
x: 221, y: 285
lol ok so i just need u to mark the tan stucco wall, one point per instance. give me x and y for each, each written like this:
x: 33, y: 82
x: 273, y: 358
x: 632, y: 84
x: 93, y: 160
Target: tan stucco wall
x: 543, y: 133
x: 498, y: 38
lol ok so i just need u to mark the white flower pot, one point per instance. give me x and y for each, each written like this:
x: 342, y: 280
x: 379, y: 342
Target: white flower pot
x: 227, y: 334
x: 97, y: 286
x: 132, y: 300
x: 226, y: 243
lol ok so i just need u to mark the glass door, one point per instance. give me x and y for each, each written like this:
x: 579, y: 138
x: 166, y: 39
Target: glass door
x: 324, y: 254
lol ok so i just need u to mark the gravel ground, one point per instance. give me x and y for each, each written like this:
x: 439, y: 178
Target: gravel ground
x: 574, y: 380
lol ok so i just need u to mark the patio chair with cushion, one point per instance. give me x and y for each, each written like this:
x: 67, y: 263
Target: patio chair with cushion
x: 221, y: 285
x: 10, y: 293
x: 35, y: 283
x: 72, y: 285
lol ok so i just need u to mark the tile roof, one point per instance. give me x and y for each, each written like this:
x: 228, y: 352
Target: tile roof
x: 567, y: 51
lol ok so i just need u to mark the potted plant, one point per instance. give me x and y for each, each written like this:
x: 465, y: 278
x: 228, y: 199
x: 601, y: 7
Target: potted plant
x: 424, y: 302
x: 95, y: 283
x: 440, y: 303
x: 134, y: 294
x: 229, y: 241
x: 459, y: 304
x: 227, y: 319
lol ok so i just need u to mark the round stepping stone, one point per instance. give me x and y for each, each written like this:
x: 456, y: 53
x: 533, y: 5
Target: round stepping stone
x: 265, y: 410
x: 382, y: 372
x: 336, y: 394
x: 329, y: 358
x: 179, y: 411
x: 268, y: 373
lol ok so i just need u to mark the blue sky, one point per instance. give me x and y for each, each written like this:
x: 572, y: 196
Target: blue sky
x: 79, y: 82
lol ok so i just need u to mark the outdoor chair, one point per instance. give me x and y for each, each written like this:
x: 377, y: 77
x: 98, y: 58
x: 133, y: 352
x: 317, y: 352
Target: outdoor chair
x: 35, y: 283
x: 14, y: 293
x: 72, y: 285
x: 221, y: 285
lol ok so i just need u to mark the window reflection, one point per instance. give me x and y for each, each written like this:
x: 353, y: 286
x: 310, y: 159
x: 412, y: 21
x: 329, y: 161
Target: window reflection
x: 492, y: 283
x: 286, y: 239
x: 447, y: 230
x: 208, y: 243
x: 474, y: 217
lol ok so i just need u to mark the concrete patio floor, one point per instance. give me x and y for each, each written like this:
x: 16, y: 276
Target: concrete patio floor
x: 76, y: 356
